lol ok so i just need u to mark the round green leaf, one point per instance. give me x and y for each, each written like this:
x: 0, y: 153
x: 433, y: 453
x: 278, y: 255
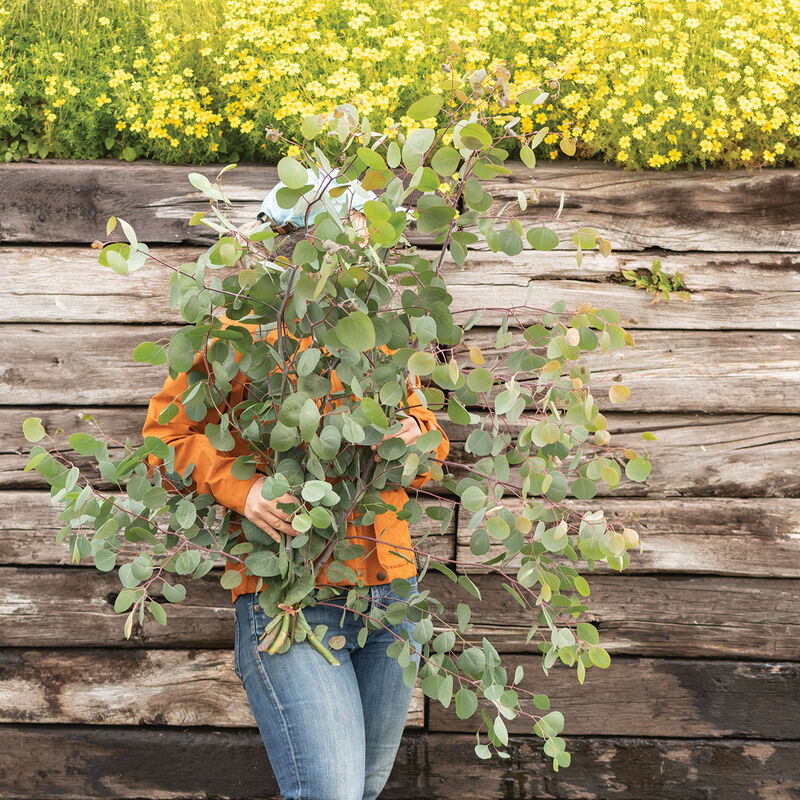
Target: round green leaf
x: 230, y: 579
x: 474, y: 136
x: 480, y: 380
x: 374, y: 412
x: 426, y: 107
x: 528, y: 157
x: 457, y: 412
x: 356, y: 332
x: 599, y: 657
x: 311, y: 127
x: 105, y: 560
x: 173, y: 594
x: 637, y: 469
x: 445, y: 160
x: 421, y: 363
x: 32, y: 429
x: 542, y: 238
x: 415, y: 146
x: 292, y: 173
x: 473, y: 498
x: 371, y: 159
x: 497, y: 528
x: 583, y: 489
x: 151, y: 353
x: 466, y: 704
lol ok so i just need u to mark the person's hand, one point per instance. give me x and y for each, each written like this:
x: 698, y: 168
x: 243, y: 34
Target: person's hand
x: 359, y: 222
x: 266, y: 514
x: 409, y: 433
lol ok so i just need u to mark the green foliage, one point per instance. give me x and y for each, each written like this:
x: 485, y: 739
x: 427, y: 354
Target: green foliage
x: 336, y: 333
x: 648, y: 85
x: 656, y: 281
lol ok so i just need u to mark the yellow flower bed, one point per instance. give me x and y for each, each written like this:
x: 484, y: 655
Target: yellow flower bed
x: 643, y: 84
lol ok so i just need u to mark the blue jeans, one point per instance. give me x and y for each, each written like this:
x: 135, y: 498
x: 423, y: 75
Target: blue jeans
x: 331, y: 732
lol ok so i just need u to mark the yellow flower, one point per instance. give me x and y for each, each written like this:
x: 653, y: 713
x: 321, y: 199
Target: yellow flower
x: 294, y: 151
x: 104, y: 21
x: 102, y: 99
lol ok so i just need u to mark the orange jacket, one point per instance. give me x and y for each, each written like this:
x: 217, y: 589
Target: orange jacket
x: 212, y: 475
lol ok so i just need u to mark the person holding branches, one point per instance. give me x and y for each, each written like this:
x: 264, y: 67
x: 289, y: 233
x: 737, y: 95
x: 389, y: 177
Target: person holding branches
x: 331, y: 731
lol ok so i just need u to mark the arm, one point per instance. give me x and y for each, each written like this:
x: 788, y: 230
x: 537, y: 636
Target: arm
x: 427, y: 422
x: 420, y: 420
x: 212, y: 468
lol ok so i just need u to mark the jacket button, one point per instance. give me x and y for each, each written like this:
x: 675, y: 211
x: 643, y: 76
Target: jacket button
x: 381, y: 576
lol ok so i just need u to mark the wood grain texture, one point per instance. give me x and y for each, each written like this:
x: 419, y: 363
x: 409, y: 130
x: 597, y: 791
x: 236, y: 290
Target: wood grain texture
x: 48, y: 201
x: 73, y: 762
x: 676, y: 371
x: 698, y: 455
x: 713, y: 536
x: 703, y: 536
x: 649, y: 697
x: 695, y: 455
x: 710, y: 371
x: 653, y: 615
x: 131, y: 687
x: 730, y: 291
x: 680, y: 210
x: 659, y: 697
x: 30, y: 523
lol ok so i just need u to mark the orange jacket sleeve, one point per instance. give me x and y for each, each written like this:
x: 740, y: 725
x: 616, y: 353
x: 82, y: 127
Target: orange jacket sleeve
x: 212, y: 468
x: 427, y: 422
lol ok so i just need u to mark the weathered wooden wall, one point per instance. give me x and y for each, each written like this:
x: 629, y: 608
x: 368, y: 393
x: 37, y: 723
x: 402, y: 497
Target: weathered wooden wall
x: 703, y: 696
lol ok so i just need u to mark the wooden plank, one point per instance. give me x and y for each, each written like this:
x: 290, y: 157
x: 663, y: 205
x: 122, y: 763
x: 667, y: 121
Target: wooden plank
x: 751, y: 536
x: 48, y: 200
x: 697, y: 455
x: 663, y: 615
x: 69, y: 202
x: 118, y: 423
x: 78, y: 364
x: 66, y: 284
x: 703, y: 272
x: 30, y: 524
x: 651, y: 615
x: 708, y: 371
x: 131, y: 687
x: 721, y: 297
x: 658, y: 697
x: 711, y: 210
x: 649, y: 697
x: 730, y: 291
x: 731, y: 536
x: 80, y: 762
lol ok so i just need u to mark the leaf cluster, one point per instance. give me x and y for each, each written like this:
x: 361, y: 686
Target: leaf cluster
x: 321, y: 354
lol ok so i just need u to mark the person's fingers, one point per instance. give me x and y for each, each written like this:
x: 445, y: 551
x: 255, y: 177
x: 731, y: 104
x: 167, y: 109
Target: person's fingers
x: 280, y: 513
x: 280, y: 525
x: 271, y: 533
x: 261, y: 521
